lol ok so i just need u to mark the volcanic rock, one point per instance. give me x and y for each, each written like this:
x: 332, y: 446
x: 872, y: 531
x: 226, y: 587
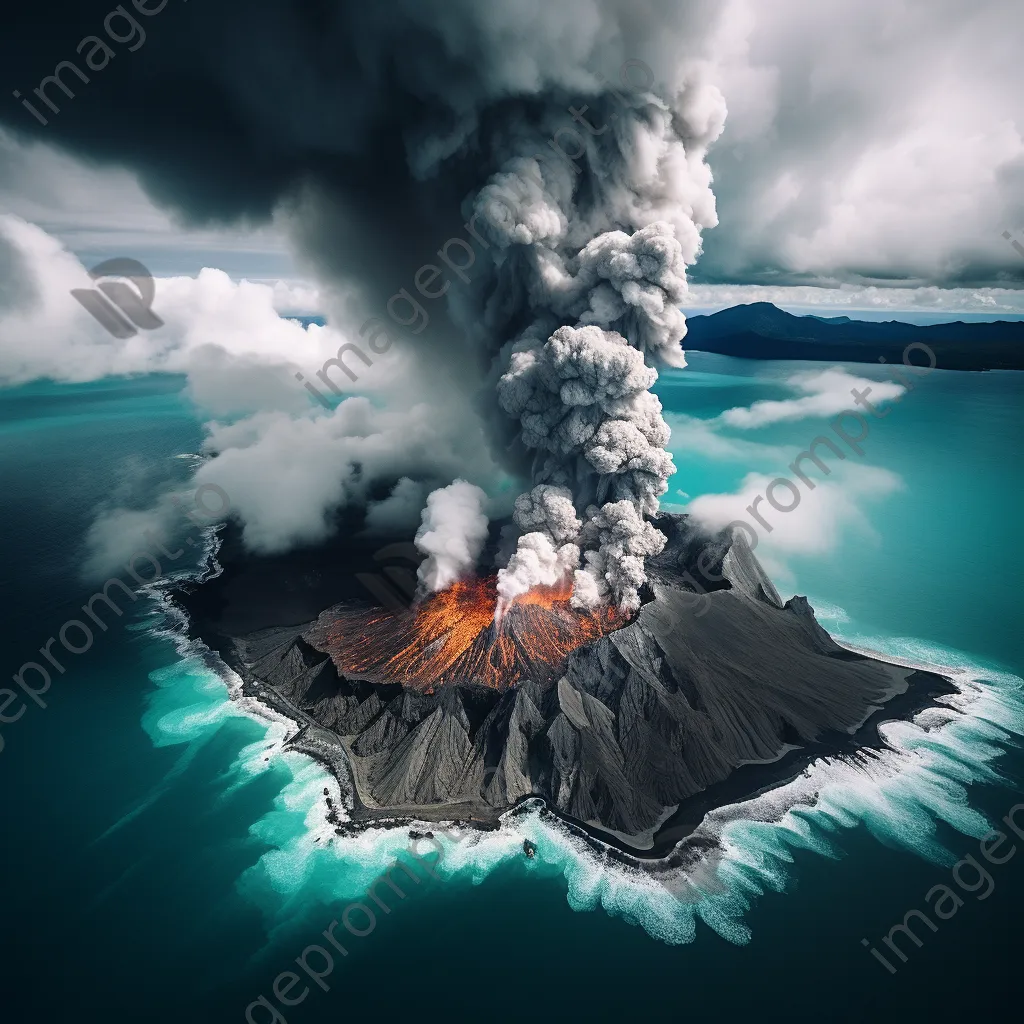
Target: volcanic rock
x: 714, y: 690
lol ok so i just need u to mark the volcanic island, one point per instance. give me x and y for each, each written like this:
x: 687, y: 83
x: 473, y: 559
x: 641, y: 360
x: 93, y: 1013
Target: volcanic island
x: 628, y: 728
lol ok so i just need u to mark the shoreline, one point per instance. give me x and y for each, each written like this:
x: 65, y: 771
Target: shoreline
x: 677, y: 838
x: 679, y: 833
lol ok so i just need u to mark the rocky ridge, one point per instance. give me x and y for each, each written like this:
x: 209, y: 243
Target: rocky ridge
x: 636, y: 731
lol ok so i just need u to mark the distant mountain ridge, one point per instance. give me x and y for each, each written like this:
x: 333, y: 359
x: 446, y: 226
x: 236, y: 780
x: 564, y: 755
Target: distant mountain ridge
x: 760, y: 330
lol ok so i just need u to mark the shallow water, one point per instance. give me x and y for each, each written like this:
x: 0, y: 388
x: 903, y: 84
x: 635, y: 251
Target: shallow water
x: 163, y: 861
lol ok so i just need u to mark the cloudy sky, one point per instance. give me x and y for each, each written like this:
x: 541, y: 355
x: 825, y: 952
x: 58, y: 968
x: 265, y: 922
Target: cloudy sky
x: 263, y: 157
x: 870, y: 147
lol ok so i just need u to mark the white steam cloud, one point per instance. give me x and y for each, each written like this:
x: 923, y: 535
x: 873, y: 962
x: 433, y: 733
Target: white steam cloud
x: 452, y: 534
x: 547, y: 552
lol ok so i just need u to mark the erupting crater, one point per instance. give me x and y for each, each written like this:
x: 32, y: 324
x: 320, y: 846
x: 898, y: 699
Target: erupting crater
x: 453, y: 637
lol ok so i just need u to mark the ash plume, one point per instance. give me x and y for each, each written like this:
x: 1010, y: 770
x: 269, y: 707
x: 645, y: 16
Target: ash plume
x: 546, y: 160
x: 582, y: 401
x: 590, y: 262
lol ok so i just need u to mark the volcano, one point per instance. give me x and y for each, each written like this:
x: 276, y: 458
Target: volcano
x: 454, y: 637
x: 629, y: 729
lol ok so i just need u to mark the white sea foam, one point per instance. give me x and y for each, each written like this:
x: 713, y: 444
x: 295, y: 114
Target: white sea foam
x: 825, y: 611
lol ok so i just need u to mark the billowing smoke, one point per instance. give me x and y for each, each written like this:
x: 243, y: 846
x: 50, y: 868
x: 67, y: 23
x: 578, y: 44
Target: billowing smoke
x: 512, y: 189
x: 590, y: 257
x: 452, y: 534
x: 617, y: 541
x: 582, y: 401
x: 547, y: 552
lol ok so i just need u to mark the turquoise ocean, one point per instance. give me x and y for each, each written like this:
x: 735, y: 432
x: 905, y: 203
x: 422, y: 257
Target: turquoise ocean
x: 164, y: 860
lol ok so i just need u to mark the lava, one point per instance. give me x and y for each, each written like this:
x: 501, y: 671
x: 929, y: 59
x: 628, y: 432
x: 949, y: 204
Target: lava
x: 453, y: 636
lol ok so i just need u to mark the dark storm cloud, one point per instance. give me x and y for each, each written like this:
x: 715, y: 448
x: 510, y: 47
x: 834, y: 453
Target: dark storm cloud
x: 867, y: 141
x: 231, y: 105
x: 374, y: 130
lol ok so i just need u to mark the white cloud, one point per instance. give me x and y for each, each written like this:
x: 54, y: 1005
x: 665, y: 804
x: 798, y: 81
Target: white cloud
x: 825, y: 512
x: 822, y: 517
x: 287, y: 464
x: 227, y: 336
x: 286, y: 475
x: 693, y: 435
x: 118, y: 533
x: 827, y: 393
x: 400, y: 510
x: 868, y: 140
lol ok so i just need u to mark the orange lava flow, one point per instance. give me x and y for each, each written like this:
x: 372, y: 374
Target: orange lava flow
x: 452, y: 636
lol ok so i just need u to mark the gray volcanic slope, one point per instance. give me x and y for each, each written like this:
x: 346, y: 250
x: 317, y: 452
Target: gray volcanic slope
x: 655, y: 722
